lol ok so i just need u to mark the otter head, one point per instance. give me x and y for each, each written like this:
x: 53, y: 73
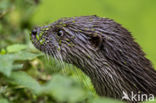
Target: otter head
x: 87, y: 42
x: 72, y: 40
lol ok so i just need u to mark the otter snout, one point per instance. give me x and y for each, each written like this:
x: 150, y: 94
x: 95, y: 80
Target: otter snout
x: 34, y: 32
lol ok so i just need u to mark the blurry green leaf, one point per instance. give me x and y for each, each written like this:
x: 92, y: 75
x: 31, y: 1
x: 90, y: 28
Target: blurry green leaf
x: 7, y: 61
x: 63, y: 89
x: 4, y: 7
x: 24, y: 55
x: 151, y: 101
x: 104, y: 100
x: 1, y: 27
x: 23, y: 79
x: 3, y: 51
x: 16, y: 48
x: 6, y: 64
x: 3, y: 100
x: 4, y: 4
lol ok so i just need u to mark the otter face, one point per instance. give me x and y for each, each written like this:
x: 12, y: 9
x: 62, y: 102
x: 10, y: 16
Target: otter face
x: 69, y: 39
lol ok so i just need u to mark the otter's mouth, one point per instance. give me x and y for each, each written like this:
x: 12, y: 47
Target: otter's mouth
x: 37, y: 37
x: 35, y: 32
x: 38, y: 32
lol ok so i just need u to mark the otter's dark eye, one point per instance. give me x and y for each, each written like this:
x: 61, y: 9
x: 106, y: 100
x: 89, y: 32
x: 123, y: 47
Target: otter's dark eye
x: 60, y: 33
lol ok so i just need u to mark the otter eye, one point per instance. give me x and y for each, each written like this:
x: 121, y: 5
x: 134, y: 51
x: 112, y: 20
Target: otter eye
x: 60, y: 33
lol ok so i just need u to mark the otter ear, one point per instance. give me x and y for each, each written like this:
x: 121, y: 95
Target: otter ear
x: 96, y: 40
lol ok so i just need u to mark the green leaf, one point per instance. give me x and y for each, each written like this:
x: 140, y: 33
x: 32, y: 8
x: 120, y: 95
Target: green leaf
x: 151, y: 101
x: 7, y: 61
x: 2, y: 100
x: 6, y: 64
x: 63, y: 89
x: 4, y: 5
x: 24, y: 55
x: 16, y: 48
x: 3, y: 51
x: 25, y: 80
x: 104, y: 100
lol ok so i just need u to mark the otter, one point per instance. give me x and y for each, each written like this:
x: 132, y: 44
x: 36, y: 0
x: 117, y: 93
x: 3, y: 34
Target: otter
x: 103, y: 49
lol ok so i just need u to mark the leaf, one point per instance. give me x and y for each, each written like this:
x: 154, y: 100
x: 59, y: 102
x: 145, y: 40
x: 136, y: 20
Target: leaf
x: 4, y: 5
x: 64, y: 89
x: 25, y: 80
x: 151, y: 101
x: 3, y: 51
x: 24, y: 55
x: 104, y: 100
x: 16, y: 48
x: 7, y: 61
x: 6, y: 64
x: 2, y: 100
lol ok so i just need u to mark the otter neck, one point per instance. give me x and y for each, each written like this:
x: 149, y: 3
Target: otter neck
x: 110, y: 80
x: 106, y: 81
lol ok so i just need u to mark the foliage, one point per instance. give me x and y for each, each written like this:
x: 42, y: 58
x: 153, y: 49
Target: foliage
x: 26, y: 76
x: 57, y: 88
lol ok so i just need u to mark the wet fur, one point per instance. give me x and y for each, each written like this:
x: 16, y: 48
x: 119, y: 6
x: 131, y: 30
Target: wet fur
x: 103, y: 50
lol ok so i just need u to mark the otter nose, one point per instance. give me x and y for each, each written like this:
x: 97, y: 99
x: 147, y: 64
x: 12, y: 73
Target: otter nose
x: 34, y: 32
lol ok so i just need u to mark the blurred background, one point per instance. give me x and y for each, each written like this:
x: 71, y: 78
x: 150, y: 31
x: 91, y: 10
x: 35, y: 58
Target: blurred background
x: 25, y: 74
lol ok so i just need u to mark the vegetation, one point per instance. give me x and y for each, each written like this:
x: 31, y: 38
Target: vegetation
x: 28, y: 76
